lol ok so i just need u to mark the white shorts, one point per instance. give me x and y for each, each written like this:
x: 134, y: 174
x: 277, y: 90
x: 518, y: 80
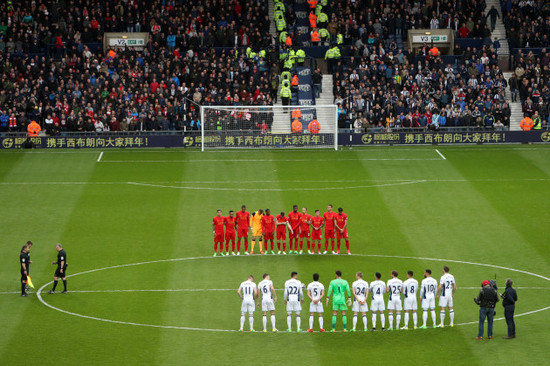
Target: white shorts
x: 247, y: 306
x: 268, y: 305
x: 445, y: 301
x: 428, y: 303
x: 395, y: 304
x: 316, y: 308
x: 377, y: 305
x: 410, y: 303
x: 293, y: 306
x: 358, y: 308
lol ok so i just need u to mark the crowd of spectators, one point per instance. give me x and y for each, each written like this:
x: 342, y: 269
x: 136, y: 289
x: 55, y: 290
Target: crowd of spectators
x: 79, y: 87
x: 388, y: 90
x: 527, y: 23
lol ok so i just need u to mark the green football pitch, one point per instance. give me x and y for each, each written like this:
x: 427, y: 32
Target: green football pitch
x: 145, y: 289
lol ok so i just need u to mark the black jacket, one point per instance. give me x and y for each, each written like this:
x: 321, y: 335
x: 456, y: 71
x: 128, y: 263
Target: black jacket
x: 488, y: 297
x: 509, y: 297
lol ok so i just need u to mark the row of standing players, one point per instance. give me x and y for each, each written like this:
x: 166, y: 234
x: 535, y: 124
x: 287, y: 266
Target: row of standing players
x: 301, y: 227
x: 25, y: 264
x: 342, y: 297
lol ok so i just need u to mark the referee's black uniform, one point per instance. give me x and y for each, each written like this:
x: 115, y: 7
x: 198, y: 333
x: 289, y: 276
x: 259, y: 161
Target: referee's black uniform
x: 24, y: 260
x: 61, y: 270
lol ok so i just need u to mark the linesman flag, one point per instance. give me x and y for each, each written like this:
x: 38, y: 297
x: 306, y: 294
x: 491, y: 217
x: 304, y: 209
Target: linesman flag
x: 29, y: 281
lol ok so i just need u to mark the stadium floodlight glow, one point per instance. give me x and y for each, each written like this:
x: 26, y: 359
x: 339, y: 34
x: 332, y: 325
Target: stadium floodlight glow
x: 240, y: 127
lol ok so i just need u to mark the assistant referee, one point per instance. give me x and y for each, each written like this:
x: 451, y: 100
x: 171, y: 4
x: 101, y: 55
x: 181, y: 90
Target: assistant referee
x: 61, y: 271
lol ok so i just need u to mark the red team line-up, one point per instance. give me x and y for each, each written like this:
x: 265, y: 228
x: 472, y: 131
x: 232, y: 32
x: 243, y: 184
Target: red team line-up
x: 263, y: 225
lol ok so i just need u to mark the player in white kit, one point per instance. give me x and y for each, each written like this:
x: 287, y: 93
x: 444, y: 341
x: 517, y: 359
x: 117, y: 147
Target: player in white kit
x: 395, y: 288
x: 377, y: 290
x: 446, y: 293
x: 428, y: 291
x: 248, y: 293
x: 268, y: 300
x: 315, y: 291
x: 360, y: 290
x: 410, y: 288
x: 294, y: 296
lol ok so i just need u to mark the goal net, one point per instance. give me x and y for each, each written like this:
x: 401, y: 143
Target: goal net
x: 269, y: 127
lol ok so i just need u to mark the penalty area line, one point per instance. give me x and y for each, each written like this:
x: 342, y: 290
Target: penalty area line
x: 440, y: 154
x: 100, y: 156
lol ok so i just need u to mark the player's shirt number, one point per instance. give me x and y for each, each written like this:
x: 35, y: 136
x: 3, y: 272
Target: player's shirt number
x: 361, y: 291
x: 293, y: 290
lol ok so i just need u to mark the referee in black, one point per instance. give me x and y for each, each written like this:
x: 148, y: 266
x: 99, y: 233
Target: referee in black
x: 61, y: 271
x: 509, y: 298
x: 24, y: 260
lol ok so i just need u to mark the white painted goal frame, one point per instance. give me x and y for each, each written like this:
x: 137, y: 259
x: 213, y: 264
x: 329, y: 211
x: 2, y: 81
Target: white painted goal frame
x: 237, y: 127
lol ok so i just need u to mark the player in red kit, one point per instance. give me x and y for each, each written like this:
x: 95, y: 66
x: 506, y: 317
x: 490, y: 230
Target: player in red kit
x: 230, y: 232
x: 305, y: 221
x: 282, y: 224
x: 294, y: 221
x: 268, y: 228
x: 317, y: 223
x: 329, y: 228
x: 243, y: 226
x: 217, y: 226
x: 341, y: 220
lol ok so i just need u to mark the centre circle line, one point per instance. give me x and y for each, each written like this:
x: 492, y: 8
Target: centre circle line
x: 39, y: 292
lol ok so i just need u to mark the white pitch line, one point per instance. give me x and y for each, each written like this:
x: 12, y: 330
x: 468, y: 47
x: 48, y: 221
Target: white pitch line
x: 258, y: 160
x: 440, y: 154
x: 222, y: 289
x: 100, y: 156
x: 275, y: 189
x: 39, y: 292
x: 285, y: 181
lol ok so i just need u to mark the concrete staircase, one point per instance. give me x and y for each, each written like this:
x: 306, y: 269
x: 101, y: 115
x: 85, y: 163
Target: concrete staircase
x: 500, y: 31
x: 326, y: 116
x: 515, y: 108
x: 271, y: 12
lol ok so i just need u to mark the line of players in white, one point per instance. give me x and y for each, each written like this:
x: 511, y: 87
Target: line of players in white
x: 430, y: 290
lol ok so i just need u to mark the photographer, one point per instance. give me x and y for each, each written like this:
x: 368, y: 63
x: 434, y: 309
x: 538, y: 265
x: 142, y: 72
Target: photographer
x: 487, y: 299
x: 509, y: 298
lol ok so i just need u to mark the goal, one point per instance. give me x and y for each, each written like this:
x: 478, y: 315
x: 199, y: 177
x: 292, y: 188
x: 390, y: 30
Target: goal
x: 242, y: 127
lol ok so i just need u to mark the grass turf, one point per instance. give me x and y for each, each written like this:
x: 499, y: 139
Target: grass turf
x: 483, y: 204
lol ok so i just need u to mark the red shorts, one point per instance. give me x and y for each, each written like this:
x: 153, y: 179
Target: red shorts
x: 316, y: 235
x: 281, y: 234
x: 268, y: 236
x: 340, y: 235
x: 295, y: 234
x: 242, y: 232
x: 329, y: 233
x: 218, y: 238
x: 304, y: 233
x: 230, y: 235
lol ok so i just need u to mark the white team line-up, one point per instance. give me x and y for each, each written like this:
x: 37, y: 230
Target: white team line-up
x: 39, y: 292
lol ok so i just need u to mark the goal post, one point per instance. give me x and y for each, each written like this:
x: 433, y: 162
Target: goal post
x: 240, y: 127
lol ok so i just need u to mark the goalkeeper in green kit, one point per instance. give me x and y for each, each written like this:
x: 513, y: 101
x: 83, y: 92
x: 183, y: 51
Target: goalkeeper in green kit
x: 339, y: 288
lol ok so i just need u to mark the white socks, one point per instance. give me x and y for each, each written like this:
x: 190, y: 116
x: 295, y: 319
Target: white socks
x: 273, y: 321
x: 365, y: 321
x: 415, y: 318
x: 321, y: 322
x: 452, y: 316
x: 383, y: 320
x: 390, y: 316
x: 406, y: 319
x: 251, y: 321
x: 374, y: 320
x: 433, y: 316
x: 242, y: 321
x: 425, y: 317
x: 354, y: 321
x: 398, y: 320
x: 311, y: 322
x: 289, y: 322
x: 264, y: 321
x: 298, y: 320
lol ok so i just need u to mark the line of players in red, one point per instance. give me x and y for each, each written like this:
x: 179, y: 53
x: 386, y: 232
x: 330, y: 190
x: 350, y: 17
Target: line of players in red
x: 264, y: 226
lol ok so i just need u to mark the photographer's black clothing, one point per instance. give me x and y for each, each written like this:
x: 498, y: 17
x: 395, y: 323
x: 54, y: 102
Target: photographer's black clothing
x: 510, y: 297
x: 488, y: 297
